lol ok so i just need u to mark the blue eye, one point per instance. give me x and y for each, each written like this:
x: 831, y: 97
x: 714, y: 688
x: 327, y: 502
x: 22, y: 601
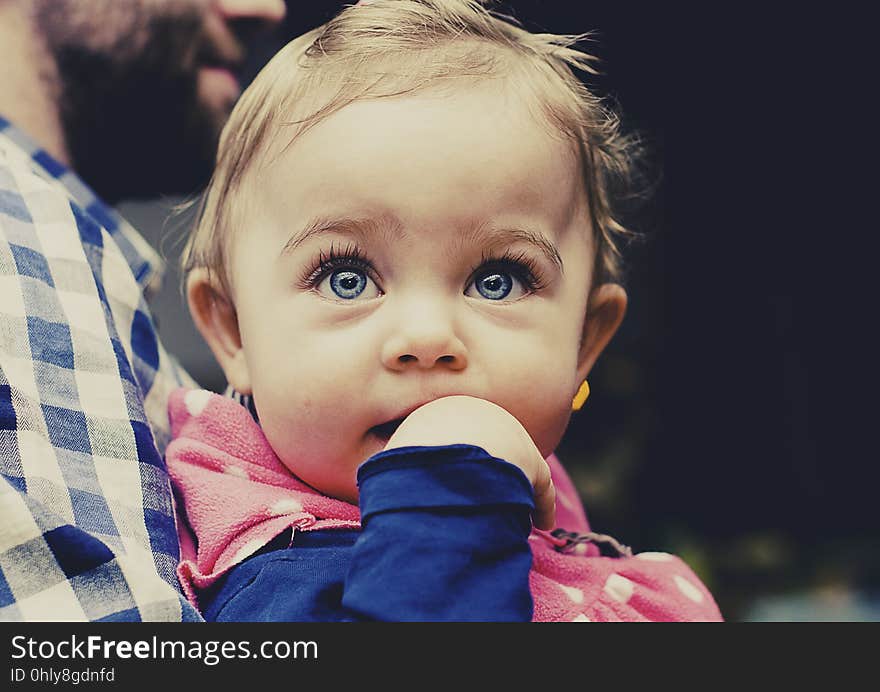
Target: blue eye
x: 344, y: 275
x: 348, y: 283
x: 498, y: 284
x: 494, y: 285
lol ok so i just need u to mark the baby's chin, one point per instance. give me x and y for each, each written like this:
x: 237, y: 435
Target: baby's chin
x: 338, y: 488
x: 339, y: 485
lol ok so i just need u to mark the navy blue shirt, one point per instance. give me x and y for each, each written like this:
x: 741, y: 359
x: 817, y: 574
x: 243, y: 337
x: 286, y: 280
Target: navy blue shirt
x: 444, y: 537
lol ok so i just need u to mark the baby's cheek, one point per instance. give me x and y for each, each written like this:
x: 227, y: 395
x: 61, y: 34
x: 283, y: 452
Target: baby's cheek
x: 544, y: 409
x: 313, y: 445
x: 552, y: 428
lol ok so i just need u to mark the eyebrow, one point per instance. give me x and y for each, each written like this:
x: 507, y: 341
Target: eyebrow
x: 386, y: 228
x: 390, y: 228
x: 506, y: 236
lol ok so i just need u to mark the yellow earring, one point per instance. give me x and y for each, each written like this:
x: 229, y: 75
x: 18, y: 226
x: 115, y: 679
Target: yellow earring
x: 581, y: 396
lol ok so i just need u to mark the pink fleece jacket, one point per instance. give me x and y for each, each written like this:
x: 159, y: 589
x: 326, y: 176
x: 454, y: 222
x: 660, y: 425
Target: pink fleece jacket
x: 237, y: 496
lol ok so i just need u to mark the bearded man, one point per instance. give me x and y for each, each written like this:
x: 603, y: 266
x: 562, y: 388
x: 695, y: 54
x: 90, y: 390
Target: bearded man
x: 100, y: 100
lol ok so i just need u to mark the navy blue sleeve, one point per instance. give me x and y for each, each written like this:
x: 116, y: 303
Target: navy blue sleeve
x: 444, y: 537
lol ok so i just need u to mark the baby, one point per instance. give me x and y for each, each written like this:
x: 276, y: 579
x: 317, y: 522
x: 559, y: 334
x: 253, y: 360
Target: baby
x: 406, y: 266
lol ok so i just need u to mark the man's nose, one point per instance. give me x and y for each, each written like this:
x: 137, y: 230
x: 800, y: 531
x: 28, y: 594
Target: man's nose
x: 424, y: 339
x: 268, y: 11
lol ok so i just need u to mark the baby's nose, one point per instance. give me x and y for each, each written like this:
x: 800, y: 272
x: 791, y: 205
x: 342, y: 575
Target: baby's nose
x: 424, y: 343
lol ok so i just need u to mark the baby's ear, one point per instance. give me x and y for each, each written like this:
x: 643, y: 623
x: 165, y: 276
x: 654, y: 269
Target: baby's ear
x: 216, y: 319
x: 605, y: 312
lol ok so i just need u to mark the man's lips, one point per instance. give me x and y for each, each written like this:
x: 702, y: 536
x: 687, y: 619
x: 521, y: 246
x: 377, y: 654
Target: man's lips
x: 221, y: 73
x: 219, y: 44
x: 220, y: 53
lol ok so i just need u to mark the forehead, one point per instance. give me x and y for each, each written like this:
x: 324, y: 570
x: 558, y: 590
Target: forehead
x: 471, y: 149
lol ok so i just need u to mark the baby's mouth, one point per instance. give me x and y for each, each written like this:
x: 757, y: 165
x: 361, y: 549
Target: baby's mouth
x: 387, y: 429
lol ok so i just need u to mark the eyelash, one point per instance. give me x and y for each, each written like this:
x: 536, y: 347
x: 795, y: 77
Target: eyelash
x: 345, y: 258
x: 520, y: 265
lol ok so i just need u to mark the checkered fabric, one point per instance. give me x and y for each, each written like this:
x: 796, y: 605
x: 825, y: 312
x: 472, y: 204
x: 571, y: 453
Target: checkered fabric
x: 87, y: 528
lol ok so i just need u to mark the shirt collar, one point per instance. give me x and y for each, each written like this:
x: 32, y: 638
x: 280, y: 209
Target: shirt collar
x: 146, y: 264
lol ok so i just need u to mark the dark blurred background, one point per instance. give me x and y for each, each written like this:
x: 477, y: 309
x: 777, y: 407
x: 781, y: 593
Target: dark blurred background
x: 729, y: 419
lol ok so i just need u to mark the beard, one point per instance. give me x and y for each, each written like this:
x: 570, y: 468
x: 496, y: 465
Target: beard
x: 127, y: 89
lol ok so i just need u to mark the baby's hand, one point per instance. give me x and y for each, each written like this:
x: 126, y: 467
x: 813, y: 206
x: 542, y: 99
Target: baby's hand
x: 468, y: 420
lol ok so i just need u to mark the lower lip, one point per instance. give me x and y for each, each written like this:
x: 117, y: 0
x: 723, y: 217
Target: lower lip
x: 374, y: 443
x: 379, y: 439
x: 222, y: 79
x: 382, y: 437
x: 384, y: 433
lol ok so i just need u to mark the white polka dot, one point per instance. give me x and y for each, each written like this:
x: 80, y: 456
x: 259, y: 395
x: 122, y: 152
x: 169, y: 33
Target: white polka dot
x: 655, y: 557
x: 619, y: 588
x: 576, y: 595
x: 582, y: 618
x: 247, y: 550
x: 286, y: 506
x: 688, y: 589
x: 236, y: 471
x: 580, y: 549
x: 533, y: 537
x: 196, y: 400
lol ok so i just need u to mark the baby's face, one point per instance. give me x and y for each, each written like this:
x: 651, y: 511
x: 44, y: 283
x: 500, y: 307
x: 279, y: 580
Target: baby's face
x: 406, y: 249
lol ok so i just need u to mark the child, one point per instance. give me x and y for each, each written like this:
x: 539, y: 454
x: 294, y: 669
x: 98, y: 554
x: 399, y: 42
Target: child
x: 406, y: 264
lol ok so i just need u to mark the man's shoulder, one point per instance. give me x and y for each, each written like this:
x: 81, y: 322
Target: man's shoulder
x: 72, y: 306
x: 36, y: 190
x: 29, y: 195
x: 44, y: 233
x: 20, y: 167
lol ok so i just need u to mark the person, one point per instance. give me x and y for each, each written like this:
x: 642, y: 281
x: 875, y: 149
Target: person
x: 101, y: 100
x: 406, y: 265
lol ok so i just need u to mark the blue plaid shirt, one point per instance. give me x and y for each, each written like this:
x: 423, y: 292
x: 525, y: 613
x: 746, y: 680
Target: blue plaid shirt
x: 87, y: 526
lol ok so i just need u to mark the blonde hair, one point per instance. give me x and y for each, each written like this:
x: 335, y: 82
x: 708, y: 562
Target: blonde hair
x: 385, y: 48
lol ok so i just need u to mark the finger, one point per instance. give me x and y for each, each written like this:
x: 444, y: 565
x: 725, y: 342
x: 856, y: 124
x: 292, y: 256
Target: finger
x: 545, y: 509
x: 545, y: 499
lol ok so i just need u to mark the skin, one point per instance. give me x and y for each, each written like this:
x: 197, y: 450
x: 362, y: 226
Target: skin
x: 129, y: 93
x: 424, y: 185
